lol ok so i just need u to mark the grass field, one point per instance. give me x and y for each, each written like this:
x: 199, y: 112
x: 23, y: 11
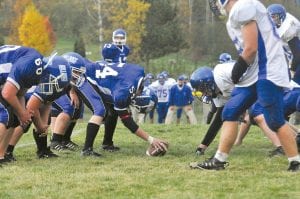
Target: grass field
x: 129, y: 173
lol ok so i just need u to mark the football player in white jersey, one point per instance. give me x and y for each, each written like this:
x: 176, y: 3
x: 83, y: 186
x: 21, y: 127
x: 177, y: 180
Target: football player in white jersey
x: 288, y: 28
x: 162, y: 89
x: 262, y: 63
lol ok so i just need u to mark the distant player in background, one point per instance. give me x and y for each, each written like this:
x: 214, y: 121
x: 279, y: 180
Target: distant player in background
x: 162, y: 89
x: 179, y: 110
x: 180, y: 97
x: 117, y: 51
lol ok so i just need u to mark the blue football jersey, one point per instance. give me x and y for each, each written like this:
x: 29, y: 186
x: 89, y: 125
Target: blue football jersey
x: 20, y: 65
x: 120, y: 80
x: 115, y: 54
x: 43, y: 97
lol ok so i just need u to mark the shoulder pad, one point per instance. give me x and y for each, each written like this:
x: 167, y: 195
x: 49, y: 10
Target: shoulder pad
x: 243, y: 13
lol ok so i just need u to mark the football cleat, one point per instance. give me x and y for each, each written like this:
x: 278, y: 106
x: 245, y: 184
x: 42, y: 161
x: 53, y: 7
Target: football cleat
x: 209, y: 164
x: 58, y: 146
x: 70, y: 145
x: 110, y: 148
x: 90, y: 152
x: 46, y: 154
x: 10, y: 156
x: 276, y: 152
x: 294, y: 166
x: 200, y: 151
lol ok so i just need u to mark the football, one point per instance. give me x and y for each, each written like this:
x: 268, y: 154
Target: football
x: 152, y: 151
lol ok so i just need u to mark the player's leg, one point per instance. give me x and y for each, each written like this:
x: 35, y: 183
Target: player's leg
x: 242, y: 98
x: 111, y: 120
x: 270, y: 97
x: 95, y: 103
x: 190, y: 113
x: 66, y: 111
x: 170, y: 114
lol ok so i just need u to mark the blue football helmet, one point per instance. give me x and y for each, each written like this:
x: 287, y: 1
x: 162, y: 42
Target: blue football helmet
x: 202, y: 80
x: 277, y: 13
x: 165, y: 74
x: 119, y: 37
x: 225, y: 57
x: 161, y: 79
x: 218, y: 7
x: 148, y: 79
x: 78, y: 68
x: 145, y: 102
x: 56, y: 76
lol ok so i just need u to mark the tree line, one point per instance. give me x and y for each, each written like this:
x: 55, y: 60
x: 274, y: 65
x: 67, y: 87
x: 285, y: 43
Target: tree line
x: 155, y: 27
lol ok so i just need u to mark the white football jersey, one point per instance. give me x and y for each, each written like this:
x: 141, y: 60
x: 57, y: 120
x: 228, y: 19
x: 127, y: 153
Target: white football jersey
x: 290, y: 28
x: 162, y: 91
x: 222, y: 77
x: 270, y: 61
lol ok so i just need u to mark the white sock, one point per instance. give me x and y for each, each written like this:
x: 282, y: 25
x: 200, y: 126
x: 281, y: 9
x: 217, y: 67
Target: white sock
x: 295, y: 158
x: 221, y: 156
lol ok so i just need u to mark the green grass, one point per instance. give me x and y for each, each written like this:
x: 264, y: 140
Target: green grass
x: 131, y: 174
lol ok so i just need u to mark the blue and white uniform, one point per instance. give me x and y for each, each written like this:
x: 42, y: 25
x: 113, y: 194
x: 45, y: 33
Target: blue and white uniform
x: 115, y: 54
x: 269, y: 67
x: 288, y: 31
x: 21, y: 66
x: 162, y: 92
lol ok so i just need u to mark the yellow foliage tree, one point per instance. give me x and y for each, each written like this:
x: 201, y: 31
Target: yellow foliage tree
x: 33, y: 31
x: 130, y: 15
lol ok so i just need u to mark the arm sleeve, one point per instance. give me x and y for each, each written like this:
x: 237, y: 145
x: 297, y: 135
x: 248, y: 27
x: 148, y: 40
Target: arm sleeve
x: 214, y: 128
x: 128, y: 120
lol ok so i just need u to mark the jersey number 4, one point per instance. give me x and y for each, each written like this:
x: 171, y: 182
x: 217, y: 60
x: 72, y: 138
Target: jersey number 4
x: 107, y: 71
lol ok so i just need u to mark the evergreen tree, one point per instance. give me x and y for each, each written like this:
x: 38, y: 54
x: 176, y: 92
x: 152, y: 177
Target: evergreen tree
x: 79, y: 47
x: 163, y: 31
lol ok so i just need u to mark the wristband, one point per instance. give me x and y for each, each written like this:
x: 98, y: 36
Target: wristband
x: 150, y: 139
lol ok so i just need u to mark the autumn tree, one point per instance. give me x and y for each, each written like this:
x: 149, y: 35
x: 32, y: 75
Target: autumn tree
x: 16, y: 20
x: 34, y: 30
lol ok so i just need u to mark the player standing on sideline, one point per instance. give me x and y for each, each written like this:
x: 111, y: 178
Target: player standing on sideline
x: 261, y: 57
x: 117, y: 51
x: 181, y: 97
x: 21, y: 68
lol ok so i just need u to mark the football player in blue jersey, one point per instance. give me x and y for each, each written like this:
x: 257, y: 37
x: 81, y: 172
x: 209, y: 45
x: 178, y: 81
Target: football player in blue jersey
x: 260, y: 70
x: 120, y: 84
x: 180, y: 97
x: 144, y: 104
x: 21, y: 68
x: 117, y: 51
x: 53, y: 84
